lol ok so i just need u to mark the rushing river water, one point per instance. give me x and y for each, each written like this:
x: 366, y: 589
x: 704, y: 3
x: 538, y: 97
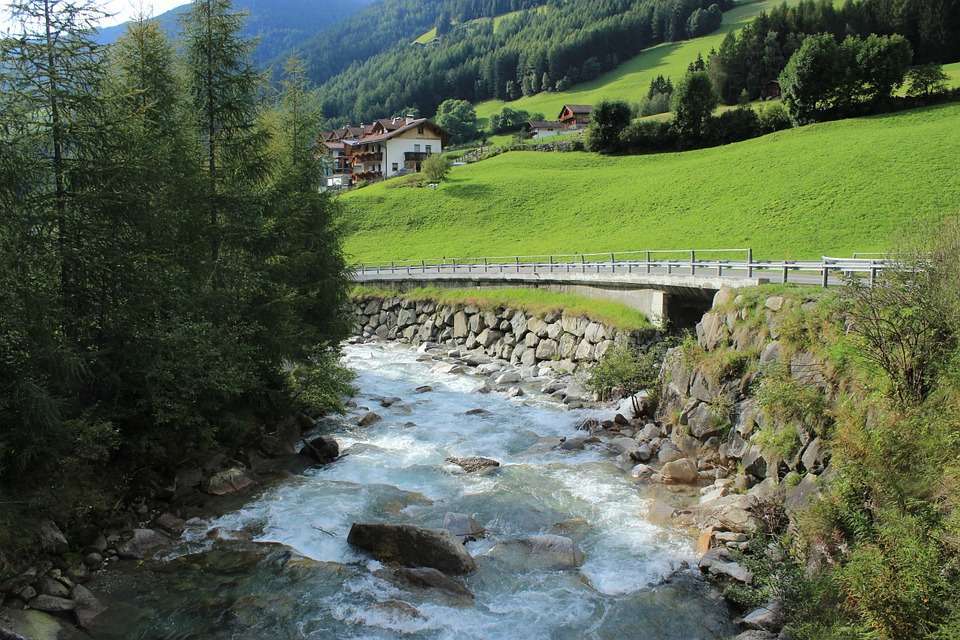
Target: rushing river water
x: 395, y: 472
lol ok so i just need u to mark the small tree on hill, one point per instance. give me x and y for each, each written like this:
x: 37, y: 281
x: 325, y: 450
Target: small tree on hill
x: 926, y: 80
x: 609, y: 118
x: 459, y: 119
x: 436, y: 168
x: 809, y: 81
x: 693, y: 102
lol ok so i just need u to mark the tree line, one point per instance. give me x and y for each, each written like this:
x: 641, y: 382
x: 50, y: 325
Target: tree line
x: 825, y: 78
x: 753, y: 57
x: 171, y: 278
x: 567, y: 42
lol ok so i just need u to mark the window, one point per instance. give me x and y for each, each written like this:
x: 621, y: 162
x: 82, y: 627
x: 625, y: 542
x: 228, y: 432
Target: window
x: 395, y: 167
x: 416, y: 148
x: 420, y: 129
x: 429, y: 148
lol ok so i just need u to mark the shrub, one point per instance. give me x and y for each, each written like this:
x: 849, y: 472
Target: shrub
x: 655, y: 104
x: 646, y: 136
x: 773, y: 117
x: 608, y: 119
x: 784, y: 401
x: 435, y: 168
x: 737, y: 124
x: 780, y: 440
x: 627, y: 371
x: 926, y: 80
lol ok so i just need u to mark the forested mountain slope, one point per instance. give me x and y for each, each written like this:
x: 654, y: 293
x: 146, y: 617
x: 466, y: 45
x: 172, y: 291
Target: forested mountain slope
x: 543, y: 45
x: 280, y: 25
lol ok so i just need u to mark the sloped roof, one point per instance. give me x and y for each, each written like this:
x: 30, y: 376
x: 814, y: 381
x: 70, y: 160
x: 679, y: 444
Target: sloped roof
x: 545, y: 124
x: 395, y: 132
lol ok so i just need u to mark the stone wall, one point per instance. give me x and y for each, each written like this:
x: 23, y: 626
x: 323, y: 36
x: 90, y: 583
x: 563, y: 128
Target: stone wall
x: 566, y: 342
x: 711, y: 426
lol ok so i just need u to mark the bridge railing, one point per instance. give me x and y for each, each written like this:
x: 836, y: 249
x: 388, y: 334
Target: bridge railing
x: 688, y: 262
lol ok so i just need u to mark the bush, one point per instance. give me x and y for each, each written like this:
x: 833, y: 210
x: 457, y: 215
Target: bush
x: 784, y: 401
x: 646, y: 136
x: 627, y: 371
x: 926, y: 80
x: 608, y: 120
x: 655, y: 104
x: 773, y: 117
x: 435, y: 168
x: 737, y: 124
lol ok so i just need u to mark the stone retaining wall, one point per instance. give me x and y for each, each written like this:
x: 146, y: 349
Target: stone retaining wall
x: 519, y: 337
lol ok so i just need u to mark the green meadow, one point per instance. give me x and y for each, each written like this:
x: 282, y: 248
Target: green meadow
x: 833, y: 188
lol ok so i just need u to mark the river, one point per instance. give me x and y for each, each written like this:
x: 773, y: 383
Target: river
x: 632, y: 583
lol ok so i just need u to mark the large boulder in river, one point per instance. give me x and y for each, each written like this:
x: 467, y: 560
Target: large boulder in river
x: 429, y: 578
x: 322, y: 449
x: 475, y: 464
x: 413, y: 546
x: 546, y: 551
x: 143, y: 542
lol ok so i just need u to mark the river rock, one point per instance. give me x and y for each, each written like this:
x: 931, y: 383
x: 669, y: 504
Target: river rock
x: 87, y: 608
x: 368, y: 419
x: 546, y: 551
x: 756, y: 635
x: 322, y: 449
x: 716, y: 562
x: 51, y: 538
x: 475, y: 464
x: 682, y: 471
x: 462, y: 526
x: 142, y: 543
x: 229, y: 481
x: 766, y: 618
x: 668, y: 452
x: 730, y: 513
x: 429, y: 578
x: 51, y: 587
x: 413, y: 546
x: 170, y: 524
x: 52, y: 604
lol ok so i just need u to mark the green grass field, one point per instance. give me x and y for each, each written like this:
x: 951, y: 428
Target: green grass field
x: 631, y: 80
x: 539, y: 302
x: 953, y: 71
x: 833, y: 188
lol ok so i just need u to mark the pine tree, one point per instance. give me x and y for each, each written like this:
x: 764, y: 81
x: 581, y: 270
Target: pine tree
x: 51, y: 71
x: 224, y: 88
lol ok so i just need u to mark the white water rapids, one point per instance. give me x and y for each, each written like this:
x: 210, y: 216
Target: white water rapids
x: 394, y: 471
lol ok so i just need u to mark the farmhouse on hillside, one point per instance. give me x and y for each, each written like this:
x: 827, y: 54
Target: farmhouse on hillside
x: 379, y: 150
x: 575, y: 116
x: 540, y: 129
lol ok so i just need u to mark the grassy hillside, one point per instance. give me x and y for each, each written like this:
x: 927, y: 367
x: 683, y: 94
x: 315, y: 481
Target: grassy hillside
x: 631, y: 79
x: 835, y: 188
x: 953, y: 70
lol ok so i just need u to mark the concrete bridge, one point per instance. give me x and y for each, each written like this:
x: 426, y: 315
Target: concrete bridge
x: 674, y: 287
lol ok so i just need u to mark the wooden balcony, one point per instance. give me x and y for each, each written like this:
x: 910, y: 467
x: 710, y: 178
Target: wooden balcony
x: 416, y: 156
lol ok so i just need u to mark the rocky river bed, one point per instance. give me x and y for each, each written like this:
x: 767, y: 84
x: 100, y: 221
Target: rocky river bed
x: 563, y: 542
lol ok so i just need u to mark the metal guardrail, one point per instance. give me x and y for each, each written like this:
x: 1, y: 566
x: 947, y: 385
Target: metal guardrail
x: 645, y: 262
